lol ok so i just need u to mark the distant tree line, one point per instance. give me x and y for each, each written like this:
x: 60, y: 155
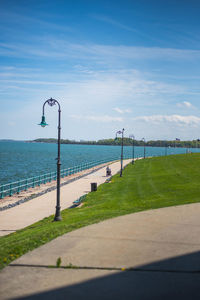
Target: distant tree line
x: 127, y: 142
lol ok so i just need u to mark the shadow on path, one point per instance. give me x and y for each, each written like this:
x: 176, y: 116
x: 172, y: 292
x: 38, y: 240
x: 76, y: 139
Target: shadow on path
x: 175, y: 278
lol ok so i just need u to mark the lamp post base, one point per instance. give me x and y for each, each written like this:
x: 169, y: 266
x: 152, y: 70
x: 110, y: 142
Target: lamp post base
x: 57, y: 215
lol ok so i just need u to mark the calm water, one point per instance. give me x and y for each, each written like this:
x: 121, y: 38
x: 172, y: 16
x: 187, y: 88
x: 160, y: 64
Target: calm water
x: 19, y: 160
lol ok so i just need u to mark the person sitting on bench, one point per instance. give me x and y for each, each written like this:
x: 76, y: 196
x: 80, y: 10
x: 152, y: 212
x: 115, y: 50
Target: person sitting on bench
x: 108, y: 171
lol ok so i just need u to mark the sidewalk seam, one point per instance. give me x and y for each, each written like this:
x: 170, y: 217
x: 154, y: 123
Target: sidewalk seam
x: 124, y: 269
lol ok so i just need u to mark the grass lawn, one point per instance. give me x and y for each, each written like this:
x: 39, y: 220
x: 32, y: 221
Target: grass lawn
x: 148, y: 184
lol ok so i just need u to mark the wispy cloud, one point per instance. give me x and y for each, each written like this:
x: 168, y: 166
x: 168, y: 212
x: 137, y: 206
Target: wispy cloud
x: 113, y: 22
x: 178, y: 119
x: 32, y: 82
x: 116, y: 90
x: 122, y: 111
x: 51, y: 47
x: 8, y: 19
x: 101, y: 119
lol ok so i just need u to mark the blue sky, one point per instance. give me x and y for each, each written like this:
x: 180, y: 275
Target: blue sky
x: 110, y: 64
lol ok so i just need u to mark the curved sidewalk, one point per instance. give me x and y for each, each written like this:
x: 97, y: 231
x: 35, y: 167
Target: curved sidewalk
x: 147, y: 255
x: 43, y: 206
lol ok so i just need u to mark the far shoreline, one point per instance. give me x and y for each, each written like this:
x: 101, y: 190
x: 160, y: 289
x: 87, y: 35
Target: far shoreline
x: 116, y: 142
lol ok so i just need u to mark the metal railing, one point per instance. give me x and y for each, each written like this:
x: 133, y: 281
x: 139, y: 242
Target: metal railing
x: 23, y: 185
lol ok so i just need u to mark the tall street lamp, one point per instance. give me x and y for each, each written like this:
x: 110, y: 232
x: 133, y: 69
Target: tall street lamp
x: 122, y: 133
x: 144, y: 147
x: 133, y: 137
x: 43, y: 123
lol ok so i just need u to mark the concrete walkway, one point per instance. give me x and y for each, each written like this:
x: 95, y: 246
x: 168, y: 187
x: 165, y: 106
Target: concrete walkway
x: 147, y: 255
x: 43, y: 206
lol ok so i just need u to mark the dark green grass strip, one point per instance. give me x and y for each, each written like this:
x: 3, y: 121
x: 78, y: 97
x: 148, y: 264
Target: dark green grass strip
x: 149, y: 184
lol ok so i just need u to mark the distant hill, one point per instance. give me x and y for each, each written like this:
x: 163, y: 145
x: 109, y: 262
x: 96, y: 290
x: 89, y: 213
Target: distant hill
x: 9, y: 140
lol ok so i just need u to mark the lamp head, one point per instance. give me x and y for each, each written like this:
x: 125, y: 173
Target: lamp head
x: 43, y: 122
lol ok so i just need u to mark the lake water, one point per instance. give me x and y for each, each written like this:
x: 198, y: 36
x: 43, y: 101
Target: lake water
x: 19, y: 160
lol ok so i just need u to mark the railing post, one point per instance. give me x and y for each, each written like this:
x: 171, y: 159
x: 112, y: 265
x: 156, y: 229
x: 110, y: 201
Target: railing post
x: 18, y: 188
x: 2, y: 193
x: 39, y: 180
x: 10, y: 192
x: 26, y: 186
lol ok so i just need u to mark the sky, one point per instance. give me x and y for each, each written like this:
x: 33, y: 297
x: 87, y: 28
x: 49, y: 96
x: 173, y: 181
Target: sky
x: 132, y: 64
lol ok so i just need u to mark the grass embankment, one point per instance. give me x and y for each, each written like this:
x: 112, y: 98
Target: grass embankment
x: 149, y: 184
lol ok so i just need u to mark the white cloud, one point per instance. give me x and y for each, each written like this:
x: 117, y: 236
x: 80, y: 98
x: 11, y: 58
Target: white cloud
x: 177, y: 119
x: 11, y: 123
x: 185, y: 104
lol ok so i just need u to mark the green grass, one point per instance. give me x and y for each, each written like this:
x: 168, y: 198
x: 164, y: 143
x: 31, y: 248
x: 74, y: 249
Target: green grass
x: 149, y: 184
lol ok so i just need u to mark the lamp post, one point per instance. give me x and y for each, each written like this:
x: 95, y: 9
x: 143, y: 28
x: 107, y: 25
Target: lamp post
x: 43, y: 123
x: 132, y: 137
x: 122, y: 133
x: 144, y: 147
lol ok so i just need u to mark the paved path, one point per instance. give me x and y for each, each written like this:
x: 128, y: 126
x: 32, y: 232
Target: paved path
x: 43, y: 206
x: 160, y: 246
